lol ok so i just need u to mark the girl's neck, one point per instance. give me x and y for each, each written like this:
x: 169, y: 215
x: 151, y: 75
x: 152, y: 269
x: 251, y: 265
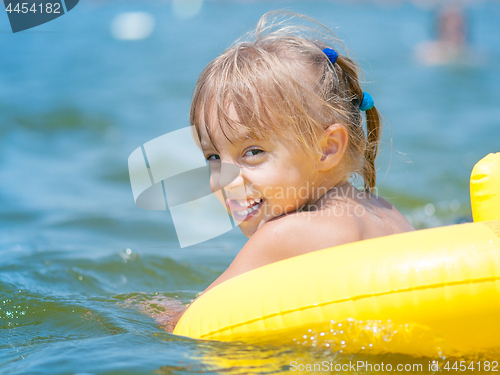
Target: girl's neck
x: 323, y: 194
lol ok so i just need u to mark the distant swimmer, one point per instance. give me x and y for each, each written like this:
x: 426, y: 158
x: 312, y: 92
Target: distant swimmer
x: 451, y: 44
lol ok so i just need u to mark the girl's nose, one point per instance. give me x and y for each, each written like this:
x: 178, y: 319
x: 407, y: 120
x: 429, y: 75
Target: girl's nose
x: 225, y: 175
x: 233, y: 181
x: 231, y: 176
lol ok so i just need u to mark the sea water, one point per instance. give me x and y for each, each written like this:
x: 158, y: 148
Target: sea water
x: 84, y: 272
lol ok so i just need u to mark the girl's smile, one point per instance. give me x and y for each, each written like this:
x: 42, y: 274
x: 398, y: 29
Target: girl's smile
x: 243, y: 210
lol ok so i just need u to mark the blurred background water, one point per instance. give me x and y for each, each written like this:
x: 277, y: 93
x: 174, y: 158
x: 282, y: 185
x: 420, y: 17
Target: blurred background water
x: 83, y: 270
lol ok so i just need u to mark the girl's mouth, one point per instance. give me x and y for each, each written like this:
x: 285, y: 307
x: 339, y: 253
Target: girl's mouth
x: 243, y: 210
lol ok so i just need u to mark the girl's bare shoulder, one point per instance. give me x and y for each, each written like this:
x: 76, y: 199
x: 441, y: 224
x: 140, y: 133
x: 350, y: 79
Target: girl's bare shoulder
x: 334, y: 224
x: 384, y: 219
x: 302, y: 232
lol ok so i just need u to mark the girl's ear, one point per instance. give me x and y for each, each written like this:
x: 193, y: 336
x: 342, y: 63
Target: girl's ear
x: 333, y: 143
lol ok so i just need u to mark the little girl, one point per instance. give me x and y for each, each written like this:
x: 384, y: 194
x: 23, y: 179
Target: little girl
x: 286, y: 109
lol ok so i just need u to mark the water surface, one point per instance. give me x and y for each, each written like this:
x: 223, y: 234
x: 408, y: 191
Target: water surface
x: 83, y: 271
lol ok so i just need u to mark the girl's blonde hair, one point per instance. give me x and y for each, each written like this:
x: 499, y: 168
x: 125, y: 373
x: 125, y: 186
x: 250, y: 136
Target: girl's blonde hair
x: 280, y: 81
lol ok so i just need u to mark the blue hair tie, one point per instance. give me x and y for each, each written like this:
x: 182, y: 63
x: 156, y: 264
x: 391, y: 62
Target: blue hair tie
x: 331, y: 54
x: 367, y: 102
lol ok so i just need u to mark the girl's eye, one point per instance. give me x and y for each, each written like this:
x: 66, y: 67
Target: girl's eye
x: 253, y: 152
x: 213, y: 157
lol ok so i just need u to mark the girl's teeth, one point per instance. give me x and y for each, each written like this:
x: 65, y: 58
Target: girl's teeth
x: 251, y: 202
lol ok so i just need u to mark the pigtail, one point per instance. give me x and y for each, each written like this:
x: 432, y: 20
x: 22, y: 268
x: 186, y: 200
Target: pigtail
x: 373, y: 130
x: 365, y: 144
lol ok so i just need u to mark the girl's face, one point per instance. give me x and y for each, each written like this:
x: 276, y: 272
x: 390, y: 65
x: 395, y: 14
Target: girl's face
x: 276, y: 177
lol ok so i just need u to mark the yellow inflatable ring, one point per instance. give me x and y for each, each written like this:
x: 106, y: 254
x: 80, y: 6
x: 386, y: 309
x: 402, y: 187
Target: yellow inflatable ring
x: 442, y: 280
x: 485, y: 188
